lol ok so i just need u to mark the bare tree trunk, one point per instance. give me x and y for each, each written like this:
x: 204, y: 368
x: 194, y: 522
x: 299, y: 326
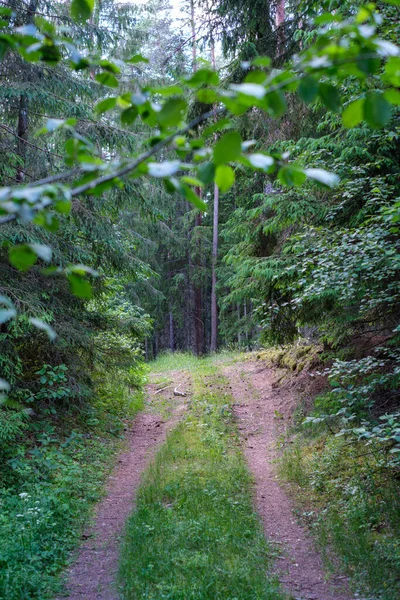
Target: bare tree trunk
x: 22, y: 126
x: 280, y: 21
x: 239, y: 337
x: 214, y: 305
x: 193, y: 28
x: 171, y: 331
x: 198, y: 301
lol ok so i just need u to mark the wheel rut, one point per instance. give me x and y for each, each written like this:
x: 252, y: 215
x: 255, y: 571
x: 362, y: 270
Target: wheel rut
x: 93, y: 573
x: 258, y: 402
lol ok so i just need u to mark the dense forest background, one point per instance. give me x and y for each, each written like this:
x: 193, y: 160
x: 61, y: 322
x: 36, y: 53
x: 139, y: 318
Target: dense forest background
x: 90, y: 291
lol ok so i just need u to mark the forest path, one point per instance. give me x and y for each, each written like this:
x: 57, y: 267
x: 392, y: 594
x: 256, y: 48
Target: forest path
x: 92, y: 575
x: 259, y: 407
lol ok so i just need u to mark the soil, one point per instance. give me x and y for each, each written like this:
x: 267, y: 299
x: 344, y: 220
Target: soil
x: 263, y: 408
x: 92, y: 576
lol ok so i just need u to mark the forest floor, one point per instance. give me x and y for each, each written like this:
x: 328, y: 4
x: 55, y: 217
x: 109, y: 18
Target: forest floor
x: 184, y: 539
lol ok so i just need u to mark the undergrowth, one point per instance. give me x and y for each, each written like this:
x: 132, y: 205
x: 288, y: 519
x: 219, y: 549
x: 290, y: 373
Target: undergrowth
x: 194, y: 533
x: 353, y: 506
x: 172, y: 361
x: 53, y: 466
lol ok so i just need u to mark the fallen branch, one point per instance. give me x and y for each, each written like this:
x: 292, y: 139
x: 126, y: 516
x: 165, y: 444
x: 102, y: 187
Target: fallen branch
x: 162, y: 389
x: 177, y: 392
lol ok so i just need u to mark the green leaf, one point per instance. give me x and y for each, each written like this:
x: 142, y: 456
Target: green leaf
x: 22, y: 257
x: 164, y: 169
x: 329, y: 96
x: 80, y: 287
x: 105, y: 105
x: 63, y: 207
x: 321, y: 176
x: 291, y: 176
x: 392, y: 96
x: 39, y: 324
x: 308, y: 89
x: 108, y: 79
x: 228, y: 148
x: 224, y: 177
x: 192, y: 197
x: 192, y: 181
x: 137, y: 58
x: 206, y: 96
x: 276, y: 103
x: 203, y: 76
x: 353, y: 113
x: 377, y: 110
x: 206, y: 172
x: 261, y: 61
x: 392, y: 71
x: 81, y: 10
x: 260, y: 161
x: 392, y: 2
x: 172, y: 112
x: 129, y: 115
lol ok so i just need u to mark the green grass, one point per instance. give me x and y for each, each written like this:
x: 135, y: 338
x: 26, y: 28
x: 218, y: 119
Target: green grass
x: 194, y: 533
x: 353, y: 507
x: 50, y: 478
x: 169, y: 361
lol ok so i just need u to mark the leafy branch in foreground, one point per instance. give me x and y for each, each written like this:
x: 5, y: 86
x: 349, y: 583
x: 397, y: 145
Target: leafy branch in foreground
x: 344, y: 48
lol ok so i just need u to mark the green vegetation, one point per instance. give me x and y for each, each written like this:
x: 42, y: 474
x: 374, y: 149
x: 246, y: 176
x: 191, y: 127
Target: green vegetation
x: 169, y: 361
x: 194, y: 533
x: 53, y: 469
x: 343, y: 470
x: 228, y: 182
x: 352, y: 506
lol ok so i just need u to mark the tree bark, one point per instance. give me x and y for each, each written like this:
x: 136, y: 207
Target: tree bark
x: 171, y: 331
x: 280, y: 21
x: 198, y: 304
x: 214, y: 304
x: 23, y: 110
x: 193, y: 28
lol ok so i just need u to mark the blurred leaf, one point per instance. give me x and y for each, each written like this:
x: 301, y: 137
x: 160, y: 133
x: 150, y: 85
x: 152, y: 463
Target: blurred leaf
x: 321, y: 176
x: 224, y: 177
x: 80, y: 287
x: 107, y: 79
x: 353, y: 113
x: 228, y: 148
x: 172, y: 112
x: 39, y: 324
x: 377, y: 110
x: 81, y: 10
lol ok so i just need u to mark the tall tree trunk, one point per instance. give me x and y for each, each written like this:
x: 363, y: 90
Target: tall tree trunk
x: 171, y: 331
x: 197, y: 289
x: 198, y: 305
x: 280, y: 21
x: 193, y: 28
x: 23, y: 110
x: 239, y: 335
x: 214, y: 304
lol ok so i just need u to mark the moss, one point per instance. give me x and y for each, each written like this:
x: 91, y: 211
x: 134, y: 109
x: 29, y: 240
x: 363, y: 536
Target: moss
x: 294, y: 357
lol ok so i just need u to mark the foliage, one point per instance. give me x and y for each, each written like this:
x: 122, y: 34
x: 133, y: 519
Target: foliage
x: 352, y: 507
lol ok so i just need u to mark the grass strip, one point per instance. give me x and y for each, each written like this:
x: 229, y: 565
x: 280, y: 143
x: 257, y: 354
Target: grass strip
x: 194, y: 533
